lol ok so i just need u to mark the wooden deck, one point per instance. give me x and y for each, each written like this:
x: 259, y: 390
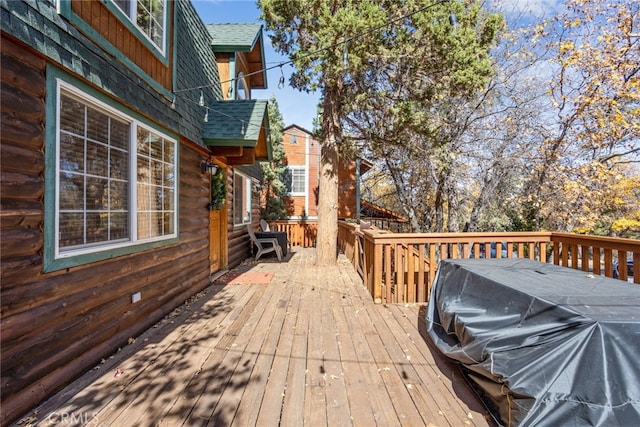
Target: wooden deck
x: 308, y: 348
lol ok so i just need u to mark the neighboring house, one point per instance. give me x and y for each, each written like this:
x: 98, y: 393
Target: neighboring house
x: 302, y: 158
x: 105, y: 210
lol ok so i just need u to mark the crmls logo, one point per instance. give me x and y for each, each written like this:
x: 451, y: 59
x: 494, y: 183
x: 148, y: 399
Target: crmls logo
x: 80, y: 418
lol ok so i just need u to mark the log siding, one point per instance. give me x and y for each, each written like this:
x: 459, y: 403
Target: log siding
x: 57, y: 325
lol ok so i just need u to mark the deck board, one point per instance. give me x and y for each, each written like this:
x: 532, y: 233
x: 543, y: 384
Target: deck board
x: 309, y: 348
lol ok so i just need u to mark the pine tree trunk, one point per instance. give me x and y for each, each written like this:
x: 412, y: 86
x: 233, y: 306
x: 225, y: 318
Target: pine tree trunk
x: 327, y: 239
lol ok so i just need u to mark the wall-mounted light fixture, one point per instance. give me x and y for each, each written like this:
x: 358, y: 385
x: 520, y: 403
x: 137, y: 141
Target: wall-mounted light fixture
x: 209, y: 167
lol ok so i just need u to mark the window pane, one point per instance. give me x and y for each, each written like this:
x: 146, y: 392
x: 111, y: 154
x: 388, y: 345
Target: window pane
x: 247, y: 201
x: 119, y: 195
x: 157, y: 170
x: 97, y: 194
x: 156, y: 181
x: 169, y: 175
x: 156, y: 146
x: 169, y: 223
x: 118, y: 164
x: 144, y: 225
x: 71, y: 192
x: 294, y: 180
x: 144, y: 197
x: 169, y: 153
x: 97, y: 159
x: 125, y: 6
x: 168, y: 200
x: 71, y: 153
x: 119, y: 225
x: 238, y: 202
x: 156, y: 224
x: 144, y: 171
x: 71, y: 229
x: 97, y: 227
x: 72, y: 116
x: 143, y: 141
x: 93, y: 180
x: 119, y: 134
x: 97, y: 125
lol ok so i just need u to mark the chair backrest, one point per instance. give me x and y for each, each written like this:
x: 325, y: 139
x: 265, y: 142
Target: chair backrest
x: 253, y: 236
x: 264, y: 225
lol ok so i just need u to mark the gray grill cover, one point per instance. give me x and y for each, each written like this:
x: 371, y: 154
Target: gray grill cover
x: 541, y: 344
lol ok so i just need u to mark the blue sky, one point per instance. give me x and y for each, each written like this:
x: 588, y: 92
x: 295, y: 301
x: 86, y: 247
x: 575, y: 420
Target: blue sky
x: 300, y: 107
x: 296, y: 107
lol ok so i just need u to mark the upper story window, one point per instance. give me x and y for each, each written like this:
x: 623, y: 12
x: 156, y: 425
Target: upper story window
x: 242, y: 90
x: 293, y: 139
x: 115, y: 178
x: 149, y: 16
x: 295, y: 181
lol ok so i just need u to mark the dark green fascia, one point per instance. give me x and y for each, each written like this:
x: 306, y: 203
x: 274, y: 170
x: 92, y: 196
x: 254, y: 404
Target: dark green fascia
x: 232, y: 48
x: 64, y: 8
x: 232, y: 74
x: 49, y: 261
x: 213, y: 142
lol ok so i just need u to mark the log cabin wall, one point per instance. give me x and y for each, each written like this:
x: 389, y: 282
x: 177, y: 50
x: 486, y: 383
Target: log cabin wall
x: 239, y: 246
x: 56, y: 325
x: 90, y: 303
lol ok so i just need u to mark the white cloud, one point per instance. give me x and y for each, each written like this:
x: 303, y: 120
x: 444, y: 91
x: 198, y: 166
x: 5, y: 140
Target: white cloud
x: 528, y: 9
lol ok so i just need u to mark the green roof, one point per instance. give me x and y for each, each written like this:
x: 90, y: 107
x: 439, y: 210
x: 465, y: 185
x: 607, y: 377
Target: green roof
x: 236, y: 123
x: 234, y: 37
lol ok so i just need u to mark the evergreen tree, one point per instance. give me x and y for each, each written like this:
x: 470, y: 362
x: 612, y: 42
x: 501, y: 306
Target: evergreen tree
x: 272, y: 172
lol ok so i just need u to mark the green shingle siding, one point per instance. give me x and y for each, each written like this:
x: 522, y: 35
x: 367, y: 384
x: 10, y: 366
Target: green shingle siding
x: 38, y: 24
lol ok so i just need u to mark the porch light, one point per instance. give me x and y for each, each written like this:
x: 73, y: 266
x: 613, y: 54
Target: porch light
x: 209, y: 167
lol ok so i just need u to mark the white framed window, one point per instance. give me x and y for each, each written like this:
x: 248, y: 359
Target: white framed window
x: 241, y: 199
x: 116, y: 182
x: 242, y: 89
x: 295, y: 180
x: 149, y: 16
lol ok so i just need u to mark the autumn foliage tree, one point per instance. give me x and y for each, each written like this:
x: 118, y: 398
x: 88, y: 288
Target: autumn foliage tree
x: 594, y: 138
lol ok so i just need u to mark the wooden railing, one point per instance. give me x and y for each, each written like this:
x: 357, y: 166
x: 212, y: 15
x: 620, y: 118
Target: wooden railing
x: 300, y: 233
x: 400, y: 268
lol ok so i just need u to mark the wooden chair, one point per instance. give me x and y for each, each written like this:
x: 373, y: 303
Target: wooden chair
x: 264, y: 225
x: 265, y: 245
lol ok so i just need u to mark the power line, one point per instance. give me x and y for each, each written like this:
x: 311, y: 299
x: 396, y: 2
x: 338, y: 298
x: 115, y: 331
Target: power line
x: 342, y: 42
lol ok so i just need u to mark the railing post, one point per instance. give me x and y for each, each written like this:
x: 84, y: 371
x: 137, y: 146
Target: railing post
x: 377, y: 273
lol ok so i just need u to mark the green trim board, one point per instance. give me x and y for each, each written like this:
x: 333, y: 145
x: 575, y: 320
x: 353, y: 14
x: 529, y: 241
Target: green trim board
x: 64, y: 8
x: 232, y: 74
x: 50, y: 263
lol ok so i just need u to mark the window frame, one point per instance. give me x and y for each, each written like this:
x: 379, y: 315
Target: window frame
x: 248, y: 184
x: 131, y: 22
x: 59, y: 84
x: 163, y: 55
x: 289, y: 170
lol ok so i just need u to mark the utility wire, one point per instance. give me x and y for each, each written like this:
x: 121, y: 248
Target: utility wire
x: 343, y: 41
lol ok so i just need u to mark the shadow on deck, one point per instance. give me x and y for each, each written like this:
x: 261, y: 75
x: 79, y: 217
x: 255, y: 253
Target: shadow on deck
x: 275, y: 344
